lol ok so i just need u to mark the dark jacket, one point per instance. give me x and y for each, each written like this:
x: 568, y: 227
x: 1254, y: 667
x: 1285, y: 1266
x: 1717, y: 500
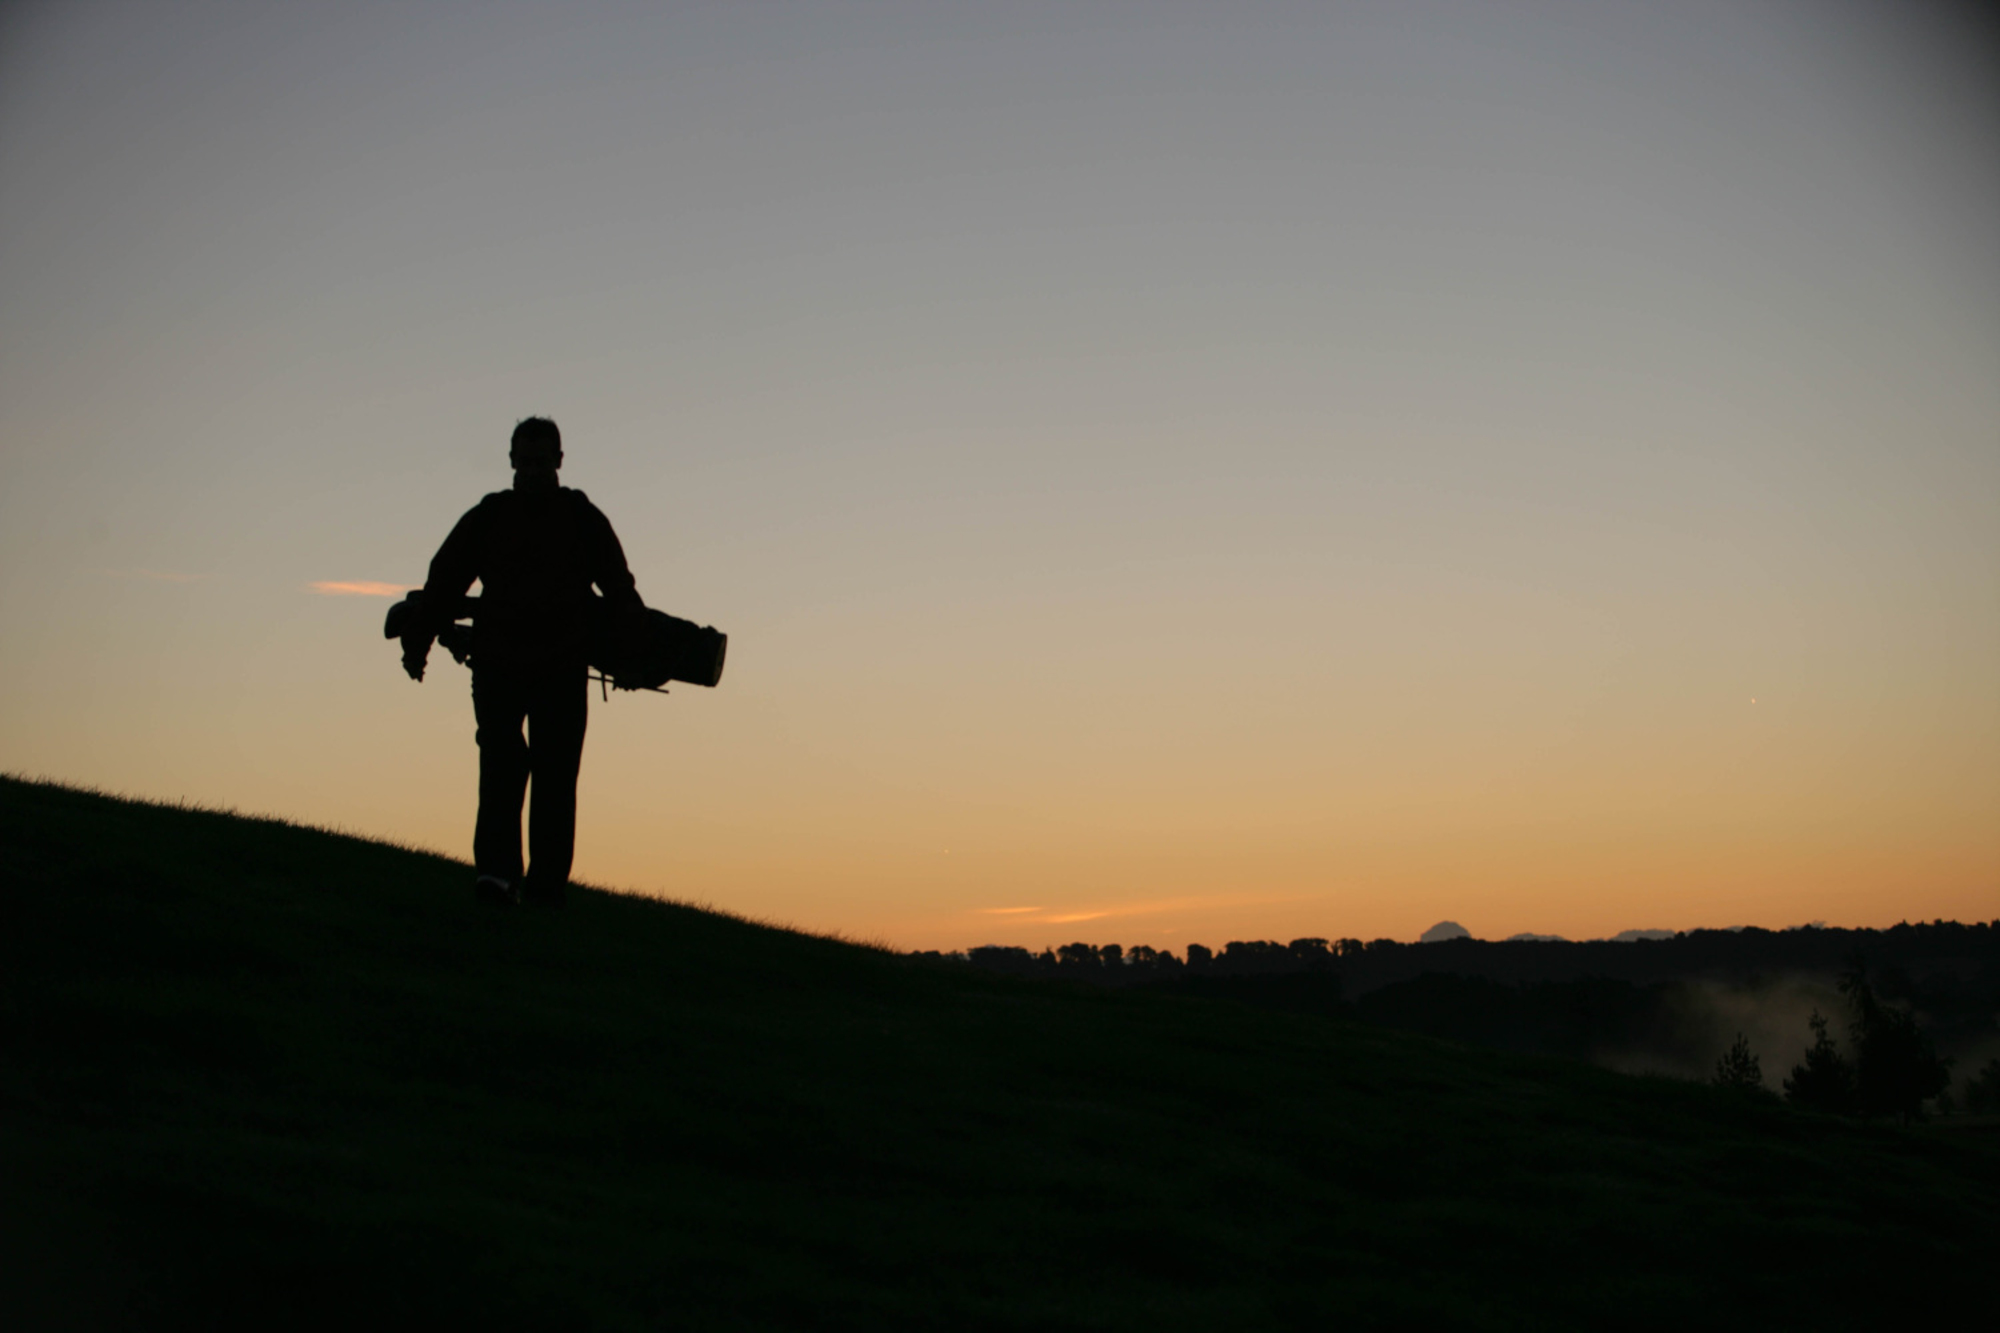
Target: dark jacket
x: 535, y: 553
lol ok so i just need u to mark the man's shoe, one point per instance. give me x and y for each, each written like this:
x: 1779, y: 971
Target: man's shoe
x: 495, y: 891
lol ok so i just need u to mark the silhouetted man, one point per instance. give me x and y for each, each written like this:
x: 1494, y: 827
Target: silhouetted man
x: 536, y: 550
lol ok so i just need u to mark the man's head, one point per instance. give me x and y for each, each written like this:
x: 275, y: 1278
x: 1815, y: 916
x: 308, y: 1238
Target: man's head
x: 536, y: 451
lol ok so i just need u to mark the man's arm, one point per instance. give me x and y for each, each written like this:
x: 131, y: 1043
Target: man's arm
x: 607, y: 565
x: 452, y: 571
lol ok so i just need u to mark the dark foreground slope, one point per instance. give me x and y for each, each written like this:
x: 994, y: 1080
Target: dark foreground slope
x: 256, y: 1074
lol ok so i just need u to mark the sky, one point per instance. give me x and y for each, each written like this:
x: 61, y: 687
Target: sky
x: 1167, y: 472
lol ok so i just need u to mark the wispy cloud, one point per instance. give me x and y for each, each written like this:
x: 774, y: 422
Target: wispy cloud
x: 156, y: 575
x: 359, y: 588
x: 1057, y: 916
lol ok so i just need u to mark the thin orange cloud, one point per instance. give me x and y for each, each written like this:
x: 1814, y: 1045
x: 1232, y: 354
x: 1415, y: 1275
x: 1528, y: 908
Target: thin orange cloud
x: 1049, y: 916
x: 359, y: 588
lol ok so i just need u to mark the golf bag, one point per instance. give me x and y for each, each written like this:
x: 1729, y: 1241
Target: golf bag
x: 628, y: 652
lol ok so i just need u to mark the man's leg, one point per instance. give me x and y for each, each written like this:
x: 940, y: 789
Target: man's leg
x: 558, y: 710
x: 499, y: 704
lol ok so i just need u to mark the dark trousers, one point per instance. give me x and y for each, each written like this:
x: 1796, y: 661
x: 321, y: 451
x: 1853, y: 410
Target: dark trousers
x: 555, y: 704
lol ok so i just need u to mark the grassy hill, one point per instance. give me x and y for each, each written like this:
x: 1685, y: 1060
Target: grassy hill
x: 255, y: 1073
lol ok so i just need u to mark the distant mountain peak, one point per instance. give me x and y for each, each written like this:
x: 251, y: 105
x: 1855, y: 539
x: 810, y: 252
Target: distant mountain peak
x: 1444, y: 930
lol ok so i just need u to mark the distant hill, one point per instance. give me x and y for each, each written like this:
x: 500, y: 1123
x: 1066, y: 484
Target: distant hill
x: 258, y: 1075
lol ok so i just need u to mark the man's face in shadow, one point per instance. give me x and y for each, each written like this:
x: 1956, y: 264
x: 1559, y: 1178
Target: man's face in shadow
x: 535, y: 463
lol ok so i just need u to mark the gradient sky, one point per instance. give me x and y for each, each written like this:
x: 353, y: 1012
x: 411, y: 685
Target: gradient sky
x: 1167, y: 472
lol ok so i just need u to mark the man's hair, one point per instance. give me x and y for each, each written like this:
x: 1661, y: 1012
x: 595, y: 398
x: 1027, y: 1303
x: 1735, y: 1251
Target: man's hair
x: 536, y: 433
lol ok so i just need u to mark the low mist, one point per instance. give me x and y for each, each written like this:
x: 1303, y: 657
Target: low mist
x: 1699, y: 1019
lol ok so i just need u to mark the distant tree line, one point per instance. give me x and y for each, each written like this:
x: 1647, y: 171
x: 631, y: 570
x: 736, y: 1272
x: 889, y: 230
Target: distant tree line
x: 1112, y: 964
x: 1929, y: 982
x: 1970, y: 955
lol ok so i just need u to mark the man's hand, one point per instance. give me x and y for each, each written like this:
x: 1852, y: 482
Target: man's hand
x: 413, y: 663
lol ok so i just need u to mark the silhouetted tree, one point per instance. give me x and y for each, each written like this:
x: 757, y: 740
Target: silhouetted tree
x: 1899, y: 1070
x: 1002, y: 958
x: 1310, y: 953
x: 1896, y: 1068
x: 1253, y: 957
x: 1862, y: 1005
x: 1077, y: 955
x: 1199, y: 955
x: 1111, y: 955
x: 1738, y: 1069
x: 1824, y: 1082
x: 1982, y: 1090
